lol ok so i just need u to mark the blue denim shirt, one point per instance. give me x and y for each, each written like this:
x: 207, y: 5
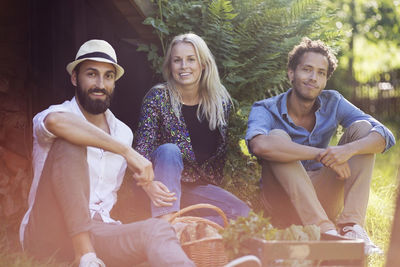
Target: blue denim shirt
x: 333, y: 109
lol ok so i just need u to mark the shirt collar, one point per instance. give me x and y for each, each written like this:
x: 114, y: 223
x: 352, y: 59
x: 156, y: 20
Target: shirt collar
x: 76, y: 108
x: 112, y: 122
x: 283, y: 106
x: 284, y: 103
x: 318, y: 103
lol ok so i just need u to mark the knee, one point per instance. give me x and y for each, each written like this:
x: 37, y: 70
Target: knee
x: 159, y: 227
x: 358, y: 129
x: 169, y: 148
x: 167, y: 153
x: 281, y: 133
x: 242, y: 209
x: 236, y: 208
x: 63, y: 150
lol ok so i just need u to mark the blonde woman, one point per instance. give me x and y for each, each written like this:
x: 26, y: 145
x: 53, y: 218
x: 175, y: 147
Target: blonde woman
x: 183, y: 131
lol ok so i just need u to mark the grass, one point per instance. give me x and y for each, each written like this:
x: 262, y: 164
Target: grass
x: 382, y: 198
x: 382, y: 201
x: 10, y: 251
x: 378, y: 222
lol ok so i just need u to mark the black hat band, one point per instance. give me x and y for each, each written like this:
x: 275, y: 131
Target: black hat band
x: 97, y: 54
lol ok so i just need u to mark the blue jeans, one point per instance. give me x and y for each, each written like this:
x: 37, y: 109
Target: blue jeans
x: 168, y: 166
x: 61, y: 210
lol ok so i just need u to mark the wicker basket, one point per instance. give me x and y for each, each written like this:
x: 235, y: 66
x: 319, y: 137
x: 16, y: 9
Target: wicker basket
x: 205, y: 252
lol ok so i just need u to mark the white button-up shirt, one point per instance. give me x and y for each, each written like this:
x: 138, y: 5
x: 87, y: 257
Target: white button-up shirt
x: 106, y: 169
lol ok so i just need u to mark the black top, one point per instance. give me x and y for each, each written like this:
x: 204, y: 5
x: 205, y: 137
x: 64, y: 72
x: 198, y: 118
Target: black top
x: 204, y: 141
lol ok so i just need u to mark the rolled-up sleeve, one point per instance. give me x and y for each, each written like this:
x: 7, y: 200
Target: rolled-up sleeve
x: 39, y: 128
x: 386, y: 133
x: 259, y: 122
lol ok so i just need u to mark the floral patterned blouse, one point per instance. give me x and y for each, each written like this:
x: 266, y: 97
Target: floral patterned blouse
x: 158, y: 125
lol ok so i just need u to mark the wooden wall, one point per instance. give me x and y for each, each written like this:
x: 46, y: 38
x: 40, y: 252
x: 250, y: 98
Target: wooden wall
x: 15, y: 108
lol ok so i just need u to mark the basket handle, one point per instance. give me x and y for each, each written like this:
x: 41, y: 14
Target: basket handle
x: 200, y: 206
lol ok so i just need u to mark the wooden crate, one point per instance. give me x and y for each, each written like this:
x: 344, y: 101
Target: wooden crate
x: 330, y: 251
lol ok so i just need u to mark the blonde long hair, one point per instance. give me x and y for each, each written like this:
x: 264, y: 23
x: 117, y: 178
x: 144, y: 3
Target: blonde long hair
x: 212, y: 93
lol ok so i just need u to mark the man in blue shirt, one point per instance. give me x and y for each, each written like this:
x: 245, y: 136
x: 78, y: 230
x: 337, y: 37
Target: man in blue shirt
x: 304, y: 180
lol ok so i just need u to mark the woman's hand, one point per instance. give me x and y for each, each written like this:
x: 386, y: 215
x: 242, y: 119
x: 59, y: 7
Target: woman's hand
x: 159, y: 194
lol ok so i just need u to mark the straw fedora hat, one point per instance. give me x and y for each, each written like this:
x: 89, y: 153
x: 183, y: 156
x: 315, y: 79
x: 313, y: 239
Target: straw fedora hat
x: 97, y: 50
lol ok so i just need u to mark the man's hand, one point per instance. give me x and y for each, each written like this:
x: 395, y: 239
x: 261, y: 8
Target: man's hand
x: 335, y: 155
x: 335, y: 158
x: 343, y: 170
x: 159, y: 194
x: 141, y: 167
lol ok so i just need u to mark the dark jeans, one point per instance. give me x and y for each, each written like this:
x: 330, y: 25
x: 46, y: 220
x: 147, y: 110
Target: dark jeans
x: 61, y: 210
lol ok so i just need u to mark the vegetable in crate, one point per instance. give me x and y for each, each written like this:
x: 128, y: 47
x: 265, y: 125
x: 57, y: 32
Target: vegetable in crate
x: 256, y: 225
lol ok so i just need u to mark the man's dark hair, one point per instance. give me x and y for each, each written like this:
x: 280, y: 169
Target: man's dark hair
x: 77, y: 68
x: 308, y: 45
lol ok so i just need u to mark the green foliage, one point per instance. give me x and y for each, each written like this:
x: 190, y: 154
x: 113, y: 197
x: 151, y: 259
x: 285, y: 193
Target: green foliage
x: 240, y: 231
x: 152, y: 56
x: 383, y: 195
x: 242, y: 173
x: 370, y: 47
x: 374, y: 20
x: 250, y: 41
x: 379, y: 20
x: 267, y: 31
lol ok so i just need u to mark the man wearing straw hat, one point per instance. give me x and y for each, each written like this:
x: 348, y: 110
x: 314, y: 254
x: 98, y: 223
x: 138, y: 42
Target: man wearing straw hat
x: 80, y: 154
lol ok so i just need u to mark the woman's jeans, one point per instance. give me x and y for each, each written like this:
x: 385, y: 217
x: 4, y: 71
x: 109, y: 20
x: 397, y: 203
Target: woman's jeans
x: 168, y: 166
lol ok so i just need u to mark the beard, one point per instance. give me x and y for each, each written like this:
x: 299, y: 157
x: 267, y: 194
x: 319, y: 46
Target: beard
x: 93, y: 106
x: 297, y: 85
